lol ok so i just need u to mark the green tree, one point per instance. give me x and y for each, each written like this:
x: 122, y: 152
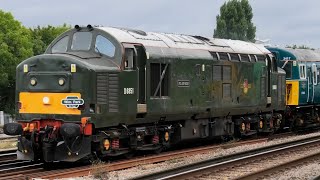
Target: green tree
x: 43, y: 36
x: 235, y: 21
x: 15, y: 46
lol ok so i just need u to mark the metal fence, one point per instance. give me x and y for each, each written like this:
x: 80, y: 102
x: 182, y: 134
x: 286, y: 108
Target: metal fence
x: 5, y: 118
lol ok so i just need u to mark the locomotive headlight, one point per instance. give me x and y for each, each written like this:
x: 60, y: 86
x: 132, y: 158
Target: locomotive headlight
x: 33, y: 81
x: 46, y: 100
x: 61, y: 81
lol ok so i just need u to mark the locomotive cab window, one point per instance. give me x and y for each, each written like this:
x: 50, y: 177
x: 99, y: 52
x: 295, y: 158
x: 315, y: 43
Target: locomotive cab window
x: 302, y: 71
x: 314, y: 74
x: 61, y: 45
x: 81, y: 41
x: 129, y: 62
x: 287, y: 66
x: 104, y: 46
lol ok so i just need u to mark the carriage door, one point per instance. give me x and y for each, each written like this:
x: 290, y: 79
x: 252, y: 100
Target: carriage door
x: 136, y: 63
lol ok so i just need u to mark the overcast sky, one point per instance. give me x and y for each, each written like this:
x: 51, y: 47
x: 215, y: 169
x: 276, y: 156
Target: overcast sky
x: 284, y: 22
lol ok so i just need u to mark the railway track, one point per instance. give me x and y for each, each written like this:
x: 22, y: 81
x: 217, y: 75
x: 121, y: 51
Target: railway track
x: 28, y: 170
x: 253, y: 164
x: 10, y: 166
x: 123, y: 164
x: 7, y: 155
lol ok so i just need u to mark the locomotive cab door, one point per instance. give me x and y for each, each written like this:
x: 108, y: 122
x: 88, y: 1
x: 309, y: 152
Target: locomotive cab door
x: 135, y: 60
x: 312, y: 81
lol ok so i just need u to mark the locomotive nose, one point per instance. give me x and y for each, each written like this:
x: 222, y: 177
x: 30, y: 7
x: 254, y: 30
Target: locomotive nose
x: 46, y: 73
x: 45, y: 81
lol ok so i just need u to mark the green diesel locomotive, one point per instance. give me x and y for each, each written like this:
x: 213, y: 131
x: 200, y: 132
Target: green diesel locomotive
x: 112, y: 91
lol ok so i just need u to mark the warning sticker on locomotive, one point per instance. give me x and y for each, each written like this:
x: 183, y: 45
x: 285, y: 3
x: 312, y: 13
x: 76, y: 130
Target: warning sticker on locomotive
x: 183, y: 83
x: 72, y: 102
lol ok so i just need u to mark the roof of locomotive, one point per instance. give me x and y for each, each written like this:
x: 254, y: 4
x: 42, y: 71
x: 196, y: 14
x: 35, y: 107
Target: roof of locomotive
x: 305, y: 54
x: 297, y: 54
x: 170, y: 40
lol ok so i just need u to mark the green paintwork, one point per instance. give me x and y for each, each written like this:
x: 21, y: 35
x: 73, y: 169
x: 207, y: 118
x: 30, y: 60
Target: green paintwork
x: 202, y: 99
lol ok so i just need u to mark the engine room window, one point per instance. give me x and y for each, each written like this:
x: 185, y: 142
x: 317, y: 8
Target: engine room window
x: 159, y: 77
x: 61, y: 45
x: 261, y: 58
x: 234, y: 57
x: 223, y: 56
x: 245, y: 57
x: 81, y: 41
x: 104, y: 46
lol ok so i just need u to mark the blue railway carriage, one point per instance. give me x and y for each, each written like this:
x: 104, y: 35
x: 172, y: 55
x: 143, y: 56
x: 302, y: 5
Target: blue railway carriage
x: 302, y: 68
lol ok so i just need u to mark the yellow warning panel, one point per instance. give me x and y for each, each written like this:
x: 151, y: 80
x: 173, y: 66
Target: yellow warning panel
x: 50, y: 103
x: 292, y: 92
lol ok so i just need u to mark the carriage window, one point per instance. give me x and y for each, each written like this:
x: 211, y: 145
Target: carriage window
x: 61, y: 45
x: 303, y: 72
x: 81, y: 41
x: 104, y: 46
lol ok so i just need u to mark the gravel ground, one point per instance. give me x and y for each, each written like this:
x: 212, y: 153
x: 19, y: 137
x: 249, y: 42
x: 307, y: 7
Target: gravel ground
x: 309, y: 171
x: 152, y: 168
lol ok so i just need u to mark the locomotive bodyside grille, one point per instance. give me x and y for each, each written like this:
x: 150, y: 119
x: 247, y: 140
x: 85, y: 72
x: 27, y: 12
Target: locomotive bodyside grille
x: 102, y: 88
x: 113, y: 89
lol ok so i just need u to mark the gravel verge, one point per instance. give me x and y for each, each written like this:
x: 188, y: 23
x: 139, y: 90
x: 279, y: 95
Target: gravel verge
x: 173, y: 163
x: 309, y: 171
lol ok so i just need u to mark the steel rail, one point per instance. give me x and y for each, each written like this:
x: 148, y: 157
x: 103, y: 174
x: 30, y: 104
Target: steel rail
x: 265, y: 173
x: 198, y: 168
x: 84, y: 171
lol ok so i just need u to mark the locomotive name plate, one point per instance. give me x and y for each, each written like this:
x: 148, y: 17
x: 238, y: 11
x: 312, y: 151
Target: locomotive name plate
x: 72, y: 102
x: 183, y: 83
